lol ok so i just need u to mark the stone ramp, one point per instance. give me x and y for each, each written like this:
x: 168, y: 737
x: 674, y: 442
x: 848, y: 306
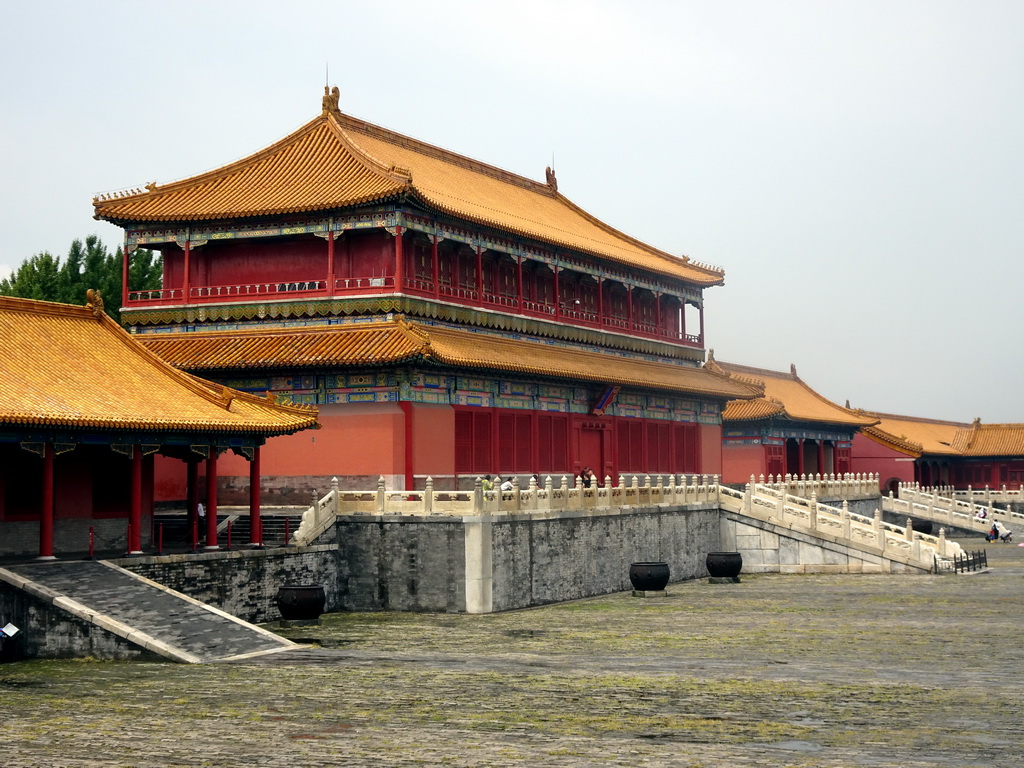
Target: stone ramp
x: 143, y: 612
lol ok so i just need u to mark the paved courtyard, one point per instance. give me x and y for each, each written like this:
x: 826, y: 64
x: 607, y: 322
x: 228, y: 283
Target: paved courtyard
x: 822, y: 670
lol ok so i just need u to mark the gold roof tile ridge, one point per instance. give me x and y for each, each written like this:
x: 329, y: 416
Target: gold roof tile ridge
x: 210, y: 177
x: 359, y: 125
x: 919, y: 419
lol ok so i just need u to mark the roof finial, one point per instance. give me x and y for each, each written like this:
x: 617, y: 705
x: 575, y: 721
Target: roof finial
x: 792, y: 369
x: 94, y: 302
x: 711, y: 355
x: 330, y: 99
x: 977, y: 422
x: 549, y: 174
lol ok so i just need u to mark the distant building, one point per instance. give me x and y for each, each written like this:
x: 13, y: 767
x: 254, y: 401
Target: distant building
x: 790, y: 430
x: 933, y: 452
x: 450, y: 319
x: 84, y: 411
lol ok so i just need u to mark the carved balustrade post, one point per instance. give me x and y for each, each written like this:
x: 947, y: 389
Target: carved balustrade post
x: 428, y: 495
x: 478, y: 495
x: 380, y: 494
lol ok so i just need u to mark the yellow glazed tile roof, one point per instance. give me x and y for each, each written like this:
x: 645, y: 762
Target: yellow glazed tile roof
x: 337, y: 161
x: 928, y: 435
x: 66, y: 366
x: 990, y: 440
x: 897, y: 443
x: 785, y: 394
x: 399, y: 340
x: 950, y: 438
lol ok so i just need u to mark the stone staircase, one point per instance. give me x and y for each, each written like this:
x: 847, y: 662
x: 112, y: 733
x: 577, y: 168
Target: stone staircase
x: 869, y: 539
x: 140, y: 612
x: 922, y: 504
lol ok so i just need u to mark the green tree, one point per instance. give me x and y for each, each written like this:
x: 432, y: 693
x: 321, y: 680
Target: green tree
x: 88, y: 264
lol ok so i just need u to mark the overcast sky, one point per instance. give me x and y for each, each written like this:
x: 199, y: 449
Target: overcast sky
x: 856, y: 167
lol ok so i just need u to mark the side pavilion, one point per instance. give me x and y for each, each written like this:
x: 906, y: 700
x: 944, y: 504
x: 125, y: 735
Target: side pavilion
x: 790, y: 430
x: 83, y: 410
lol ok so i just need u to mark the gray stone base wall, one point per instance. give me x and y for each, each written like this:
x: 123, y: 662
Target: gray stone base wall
x: 582, y: 554
x: 397, y: 563
x: 52, y: 633
x: 244, y: 583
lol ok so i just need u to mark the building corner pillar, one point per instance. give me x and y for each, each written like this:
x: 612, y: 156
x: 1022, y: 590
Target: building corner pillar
x: 255, y: 515
x: 135, y: 511
x: 211, y: 500
x: 46, y: 512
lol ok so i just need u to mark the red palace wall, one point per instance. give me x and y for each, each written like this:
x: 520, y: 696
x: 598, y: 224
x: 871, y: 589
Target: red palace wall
x: 406, y: 442
x: 742, y: 461
x: 892, y: 466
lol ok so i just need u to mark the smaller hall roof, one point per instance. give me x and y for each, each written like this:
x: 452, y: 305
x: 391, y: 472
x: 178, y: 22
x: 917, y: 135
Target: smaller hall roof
x: 990, y: 440
x: 915, y: 436
x: 948, y: 438
x: 337, y: 161
x: 75, y: 368
x: 786, y: 395
x: 398, y: 340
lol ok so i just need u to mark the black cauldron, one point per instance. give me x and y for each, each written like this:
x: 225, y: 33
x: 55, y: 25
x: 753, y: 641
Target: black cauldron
x: 648, y: 577
x: 301, y: 603
x: 724, y: 565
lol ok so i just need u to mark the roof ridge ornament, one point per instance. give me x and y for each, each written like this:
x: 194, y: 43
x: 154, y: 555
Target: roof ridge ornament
x: 330, y: 100
x: 94, y: 302
x: 549, y: 175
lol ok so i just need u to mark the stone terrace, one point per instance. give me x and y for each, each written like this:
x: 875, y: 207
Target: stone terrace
x: 810, y: 670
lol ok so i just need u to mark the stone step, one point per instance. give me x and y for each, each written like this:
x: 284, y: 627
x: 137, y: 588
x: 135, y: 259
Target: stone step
x: 147, y: 614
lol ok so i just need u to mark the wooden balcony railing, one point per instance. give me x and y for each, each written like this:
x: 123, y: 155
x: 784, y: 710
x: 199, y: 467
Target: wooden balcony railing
x: 569, y: 313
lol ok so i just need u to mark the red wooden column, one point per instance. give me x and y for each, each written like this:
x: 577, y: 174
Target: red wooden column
x: 255, y: 519
x: 410, y: 477
x: 399, y: 261
x: 629, y: 306
x: 435, y: 266
x: 135, y: 511
x: 701, y: 325
x: 657, y: 315
x: 330, y: 264
x: 185, y: 280
x: 46, y: 513
x: 479, y: 275
x: 682, y: 319
x: 124, y: 277
x: 519, y: 283
x: 800, y: 457
x: 211, y: 500
x: 192, y: 499
x: 821, y: 457
x: 558, y: 296
x: 600, y: 303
